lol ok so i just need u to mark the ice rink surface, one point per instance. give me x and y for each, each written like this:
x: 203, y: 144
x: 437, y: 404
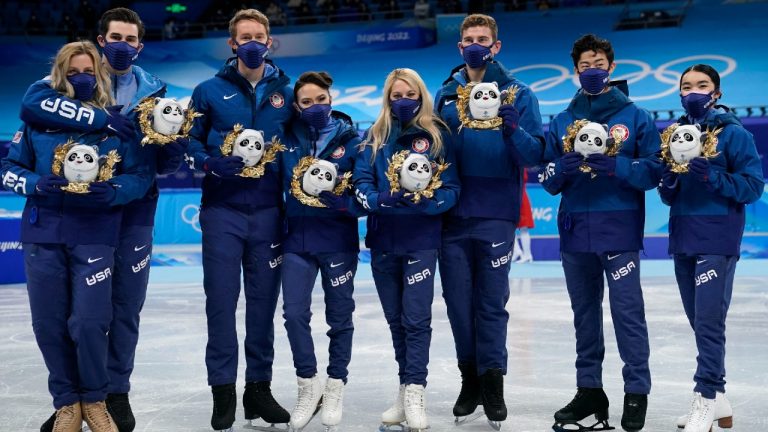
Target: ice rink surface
x: 170, y: 393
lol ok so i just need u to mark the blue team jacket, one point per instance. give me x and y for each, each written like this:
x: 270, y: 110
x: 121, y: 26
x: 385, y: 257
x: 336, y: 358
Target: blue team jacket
x: 225, y: 100
x: 44, y: 107
x: 490, y: 165
x: 401, y: 228
x: 605, y: 213
x: 313, y: 229
x: 70, y: 219
x: 709, y: 218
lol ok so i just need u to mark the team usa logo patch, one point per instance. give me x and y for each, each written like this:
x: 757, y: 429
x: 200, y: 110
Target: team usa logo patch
x: 420, y: 145
x: 621, y: 130
x: 277, y: 100
x: 338, y: 153
x: 17, y: 137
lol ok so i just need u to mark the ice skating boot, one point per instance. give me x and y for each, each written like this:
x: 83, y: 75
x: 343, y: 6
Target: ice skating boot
x: 97, y: 417
x: 48, y: 425
x: 469, y: 396
x: 307, y: 403
x: 333, y: 398
x: 704, y: 413
x: 120, y: 410
x: 415, y: 408
x: 392, y: 418
x: 224, y: 404
x: 723, y: 412
x: 258, y: 402
x: 588, y: 401
x: 492, y: 391
x: 635, y: 406
x: 66, y: 419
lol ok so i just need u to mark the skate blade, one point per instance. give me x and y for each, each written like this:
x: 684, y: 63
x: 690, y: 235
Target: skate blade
x: 495, y: 425
x: 392, y: 427
x: 577, y: 427
x: 468, y: 418
x: 271, y: 428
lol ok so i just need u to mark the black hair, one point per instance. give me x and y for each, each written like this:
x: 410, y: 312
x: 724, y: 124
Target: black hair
x: 591, y: 42
x: 705, y: 69
x: 320, y: 79
x: 123, y: 15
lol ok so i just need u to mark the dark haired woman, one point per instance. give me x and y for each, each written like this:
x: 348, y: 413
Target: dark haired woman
x: 706, y: 224
x: 319, y: 238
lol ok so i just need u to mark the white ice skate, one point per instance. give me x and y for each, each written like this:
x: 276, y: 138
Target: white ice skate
x: 333, y: 398
x: 415, y: 408
x: 308, y: 402
x: 393, y: 418
x: 704, y: 412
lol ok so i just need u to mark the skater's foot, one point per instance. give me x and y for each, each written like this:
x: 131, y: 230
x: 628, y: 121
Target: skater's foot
x: 415, y: 407
x: 307, y: 402
x: 97, y: 417
x: 66, y: 419
x: 224, y: 404
x: 120, y: 409
x: 48, y: 425
x: 588, y: 401
x: 723, y: 412
x: 469, y: 396
x: 492, y: 390
x: 635, y: 406
x: 395, y: 415
x: 258, y: 402
x: 333, y: 401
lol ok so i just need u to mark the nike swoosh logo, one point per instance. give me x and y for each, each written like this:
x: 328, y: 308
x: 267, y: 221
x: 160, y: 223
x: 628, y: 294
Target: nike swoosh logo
x: 292, y: 149
x: 272, y: 245
x: 448, y: 102
x: 701, y: 262
x: 51, y: 130
x: 91, y: 260
x: 494, y: 245
x: 439, y: 203
x: 336, y: 265
x: 136, y: 248
x: 413, y: 262
x: 388, y: 206
x: 612, y: 257
x: 230, y: 96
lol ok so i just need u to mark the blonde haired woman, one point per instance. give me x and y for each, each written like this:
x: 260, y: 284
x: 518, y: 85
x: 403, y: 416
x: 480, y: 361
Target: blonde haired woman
x: 404, y: 236
x: 69, y: 242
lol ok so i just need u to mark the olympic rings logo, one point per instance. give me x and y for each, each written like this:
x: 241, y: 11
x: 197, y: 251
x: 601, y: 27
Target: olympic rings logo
x: 663, y: 74
x: 190, y: 214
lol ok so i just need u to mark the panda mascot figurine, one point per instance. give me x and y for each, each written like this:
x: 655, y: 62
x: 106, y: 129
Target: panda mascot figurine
x: 685, y: 143
x: 249, y: 146
x: 319, y: 177
x: 81, y: 164
x: 591, y: 139
x: 415, y: 173
x: 484, y: 101
x: 167, y: 116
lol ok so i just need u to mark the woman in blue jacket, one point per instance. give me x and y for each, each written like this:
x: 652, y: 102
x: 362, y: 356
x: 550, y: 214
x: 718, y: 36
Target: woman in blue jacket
x: 69, y: 240
x: 404, y: 234
x: 321, y: 234
x: 706, y: 224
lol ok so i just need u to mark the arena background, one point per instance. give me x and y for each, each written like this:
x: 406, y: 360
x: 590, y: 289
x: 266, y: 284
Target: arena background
x: 359, y: 42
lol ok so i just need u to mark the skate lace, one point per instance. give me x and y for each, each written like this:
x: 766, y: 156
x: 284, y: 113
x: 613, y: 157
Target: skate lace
x: 305, y: 394
x: 65, y: 417
x: 700, y: 408
x: 414, y: 398
x: 332, y: 398
x: 97, y: 417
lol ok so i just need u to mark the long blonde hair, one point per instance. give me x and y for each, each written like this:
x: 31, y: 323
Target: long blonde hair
x: 425, y: 119
x: 102, y: 96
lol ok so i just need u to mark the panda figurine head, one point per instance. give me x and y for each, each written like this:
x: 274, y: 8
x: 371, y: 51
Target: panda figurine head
x: 167, y: 116
x: 415, y: 173
x: 592, y: 138
x: 81, y: 164
x: 249, y: 145
x: 685, y: 143
x: 484, y: 101
x: 319, y: 177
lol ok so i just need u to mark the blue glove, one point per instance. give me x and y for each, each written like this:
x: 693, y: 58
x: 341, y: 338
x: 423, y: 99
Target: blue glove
x: 511, y: 118
x: 701, y: 169
x: 102, y: 192
x: 570, y: 163
x: 223, y: 166
x: 176, y: 148
x: 50, y: 184
x: 333, y: 201
x: 669, y: 178
x: 602, y: 164
x: 421, y: 206
x: 119, y: 125
x: 389, y: 199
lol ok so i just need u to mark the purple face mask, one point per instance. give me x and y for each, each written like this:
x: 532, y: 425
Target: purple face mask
x: 405, y: 109
x: 317, y: 116
x: 697, y: 104
x: 594, y: 80
x: 476, y: 55
x: 252, y: 53
x: 120, y: 55
x: 84, y: 85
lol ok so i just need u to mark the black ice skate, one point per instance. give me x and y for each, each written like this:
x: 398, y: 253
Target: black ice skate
x: 258, y: 403
x: 48, y: 425
x: 469, y: 396
x: 587, y: 401
x: 224, y: 404
x: 492, y: 391
x: 120, y: 410
x: 635, y: 406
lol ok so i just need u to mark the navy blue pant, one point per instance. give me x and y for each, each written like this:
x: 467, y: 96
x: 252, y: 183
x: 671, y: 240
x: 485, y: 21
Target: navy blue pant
x: 585, y: 283
x: 337, y: 273
x: 406, y: 286
x: 129, y: 289
x: 706, y: 285
x: 235, y: 239
x: 70, y: 296
x: 474, y: 270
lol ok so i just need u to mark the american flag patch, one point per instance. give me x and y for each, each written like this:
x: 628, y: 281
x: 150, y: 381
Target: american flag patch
x: 17, y: 137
